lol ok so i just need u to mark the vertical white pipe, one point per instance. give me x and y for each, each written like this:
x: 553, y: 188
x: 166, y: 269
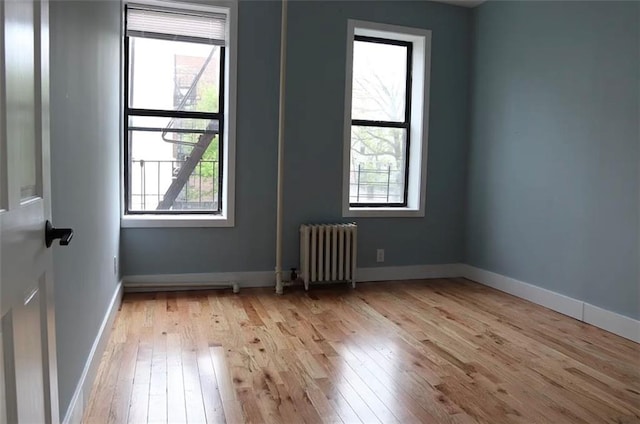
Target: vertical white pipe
x: 279, y: 207
x: 355, y: 256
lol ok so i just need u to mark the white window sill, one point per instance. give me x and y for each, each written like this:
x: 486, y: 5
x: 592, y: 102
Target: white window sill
x: 383, y: 213
x: 165, y: 221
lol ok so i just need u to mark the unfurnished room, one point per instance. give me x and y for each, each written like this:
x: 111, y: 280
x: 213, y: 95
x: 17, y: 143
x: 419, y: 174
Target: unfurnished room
x: 319, y: 211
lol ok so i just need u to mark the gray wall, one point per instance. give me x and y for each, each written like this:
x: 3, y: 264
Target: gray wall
x: 553, y: 175
x: 85, y: 174
x: 553, y: 178
x: 315, y: 115
x: 249, y: 246
x: 313, y: 152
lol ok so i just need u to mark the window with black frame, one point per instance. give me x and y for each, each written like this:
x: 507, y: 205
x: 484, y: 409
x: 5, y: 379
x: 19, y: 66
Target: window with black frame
x: 174, y: 110
x: 380, y: 122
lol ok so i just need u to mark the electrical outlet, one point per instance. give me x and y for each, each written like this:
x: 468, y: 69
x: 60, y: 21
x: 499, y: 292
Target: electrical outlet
x: 380, y: 255
x: 115, y: 265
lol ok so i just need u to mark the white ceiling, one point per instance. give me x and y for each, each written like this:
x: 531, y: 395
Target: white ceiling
x: 464, y: 3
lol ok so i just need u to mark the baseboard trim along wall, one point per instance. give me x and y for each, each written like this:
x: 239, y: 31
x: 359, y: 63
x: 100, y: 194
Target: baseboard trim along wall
x: 610, y: 321
x: 410, y: 272
x: 209, y: 280
x: 83, y: 389
x: 170, y: 282
x: 547, y: 298
x: 575, y: 308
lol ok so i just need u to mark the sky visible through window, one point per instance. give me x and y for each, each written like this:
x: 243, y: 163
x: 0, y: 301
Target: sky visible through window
x: 161, y: 75
x: 378, y: 154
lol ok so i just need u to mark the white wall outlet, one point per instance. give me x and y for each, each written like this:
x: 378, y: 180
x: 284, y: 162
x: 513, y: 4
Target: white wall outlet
x: 380, y: 255
x: 115, y: 265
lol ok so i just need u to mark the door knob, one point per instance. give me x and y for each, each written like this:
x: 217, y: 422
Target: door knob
x: 51, y: 233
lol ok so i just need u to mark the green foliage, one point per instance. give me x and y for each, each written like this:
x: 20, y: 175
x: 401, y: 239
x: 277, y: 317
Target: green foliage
x: 207, y: 170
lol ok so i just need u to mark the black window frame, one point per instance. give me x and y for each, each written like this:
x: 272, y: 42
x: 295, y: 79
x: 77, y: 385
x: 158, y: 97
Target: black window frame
x: 163, y: 113
x: 405, y: 124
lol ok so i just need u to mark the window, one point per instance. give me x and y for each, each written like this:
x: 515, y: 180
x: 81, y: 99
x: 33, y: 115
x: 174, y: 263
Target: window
x: 178, y: 133
x: 386, y: 120
x: 380, y: 119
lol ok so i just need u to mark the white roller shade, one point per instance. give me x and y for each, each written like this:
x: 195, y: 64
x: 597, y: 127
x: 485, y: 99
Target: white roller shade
x: 179, y: 25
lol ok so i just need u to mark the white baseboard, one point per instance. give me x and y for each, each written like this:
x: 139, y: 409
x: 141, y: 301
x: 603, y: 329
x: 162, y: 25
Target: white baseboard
x: 170, y: 282
x: 547, y: 298
x: 410, y: 272
x: 83, y: 389
x: 610, y: 321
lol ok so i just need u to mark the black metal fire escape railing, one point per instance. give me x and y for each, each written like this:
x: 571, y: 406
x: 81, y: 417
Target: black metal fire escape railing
x: 199, y: 148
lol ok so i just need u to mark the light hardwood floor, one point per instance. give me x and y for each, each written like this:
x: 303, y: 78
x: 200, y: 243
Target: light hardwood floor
x: 435, y: 351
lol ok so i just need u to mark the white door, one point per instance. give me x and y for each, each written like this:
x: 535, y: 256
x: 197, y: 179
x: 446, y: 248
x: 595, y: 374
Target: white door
x: 28, y: 376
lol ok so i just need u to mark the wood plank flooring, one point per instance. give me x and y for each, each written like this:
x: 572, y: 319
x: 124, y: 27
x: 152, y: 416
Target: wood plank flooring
x: 434, y: 351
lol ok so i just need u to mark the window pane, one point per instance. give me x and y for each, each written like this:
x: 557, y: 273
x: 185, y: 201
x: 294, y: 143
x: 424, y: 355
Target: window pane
x: 377, y: 169
x: 172, y: 75
x: 379, y: 81
x: 166, y: 171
